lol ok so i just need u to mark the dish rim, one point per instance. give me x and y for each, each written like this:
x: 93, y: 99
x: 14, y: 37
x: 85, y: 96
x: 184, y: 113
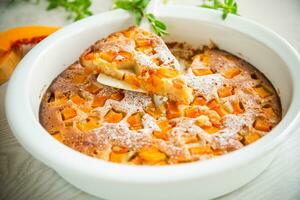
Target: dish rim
x: 71, y: 160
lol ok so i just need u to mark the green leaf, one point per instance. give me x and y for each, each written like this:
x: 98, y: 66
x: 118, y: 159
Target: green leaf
x: 137, y: 7
x: 52, y: 6
x: 224, y: 15
x: 158, y: 26
x: 227, y: 6
x: 77, y: 9
x: 207, y: 6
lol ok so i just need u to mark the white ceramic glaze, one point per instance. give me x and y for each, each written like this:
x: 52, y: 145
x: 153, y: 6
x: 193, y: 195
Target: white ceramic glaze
x: 198, y: 180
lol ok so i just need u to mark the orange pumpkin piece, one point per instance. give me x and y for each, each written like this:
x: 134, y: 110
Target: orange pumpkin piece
x: 269, y: 111
x: 58, y: 136
x: 192, y: 112
x: 123, y: 56
x: 153, y: 111
x: 251, y: 137
x: 199, y: 150
x: 164, y: 128
x: 232, y: 72
x: 108, y: 56
x: 225, y: 91
x: 77, y: 99
x: 214, y: 105
x: 113, y: 116
x: 164, y: 72
x: 154, y: 83
x: 172, y: 110
x: 199, y: 101
x: 164, y: 125
x: 135, y: 121
x: 214, y: 116
x: 161, y: 135
x: 202, y: 71
x: 201, y: 57
x: 121, y: 59
x: 211, y: 129
x: 119, y: 149
x: 203, y: 121
x: 118, y: 96
x: 89, y: 70
x: 8, y: 62
x: 90, y: 56
x: 262, y: 125
x: 238, y: 107
x: 178, y: 84
x: 118, y: 157
x: 99, y: 101
x: 218, y: 152
x: 68, y: 113
x: 152, y: 155
x: 146, y: 50
x: 183, y: 159
x: 85, y: 109
x: 10, y: 37
x: 79, y: 79
x: 59, y: 100
x: 92, y: 88
x: 11, y: 46
x: 262, y: 92
x: 136, y: 160
x: 221, y: 111
x: 191, y: 139
x: 161, y: 163
x: 89, y: 124
x: 230, y: 57
x: 204, y: 58
x: 143, y: 42
x: 132, y: 80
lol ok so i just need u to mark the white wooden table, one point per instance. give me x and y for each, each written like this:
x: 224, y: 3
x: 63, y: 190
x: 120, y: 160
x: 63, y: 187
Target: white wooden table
x: 23, y: 177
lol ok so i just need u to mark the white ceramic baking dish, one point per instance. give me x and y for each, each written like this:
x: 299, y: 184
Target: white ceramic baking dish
x: 199, y: 180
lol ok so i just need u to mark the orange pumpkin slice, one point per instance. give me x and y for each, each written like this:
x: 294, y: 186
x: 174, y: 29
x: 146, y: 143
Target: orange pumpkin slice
x: 8, y: 62
x: 11, y: 42
x: 26, y: 34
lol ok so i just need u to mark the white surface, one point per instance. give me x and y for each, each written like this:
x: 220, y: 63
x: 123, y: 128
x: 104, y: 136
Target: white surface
x: 281, y: 181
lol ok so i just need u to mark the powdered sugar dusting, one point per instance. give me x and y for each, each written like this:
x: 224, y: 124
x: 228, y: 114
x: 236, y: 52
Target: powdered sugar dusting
x: 119, y: 134
x: 150, y: 123
x: 144, y: 60
x: 166, y: 57
x: 206, y: 86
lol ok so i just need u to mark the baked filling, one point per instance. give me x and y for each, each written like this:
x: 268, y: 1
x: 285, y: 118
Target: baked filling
x: 232, y: 105
x: 142, y: 60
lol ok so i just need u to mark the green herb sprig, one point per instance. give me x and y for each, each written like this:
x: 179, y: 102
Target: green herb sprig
x: 158, y: 26
x: 137, y: 7
x: 228, y: 6
x: 77, y: 9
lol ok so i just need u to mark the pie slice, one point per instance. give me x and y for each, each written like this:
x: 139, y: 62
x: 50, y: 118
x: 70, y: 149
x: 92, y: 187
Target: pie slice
x: 141, y: 59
